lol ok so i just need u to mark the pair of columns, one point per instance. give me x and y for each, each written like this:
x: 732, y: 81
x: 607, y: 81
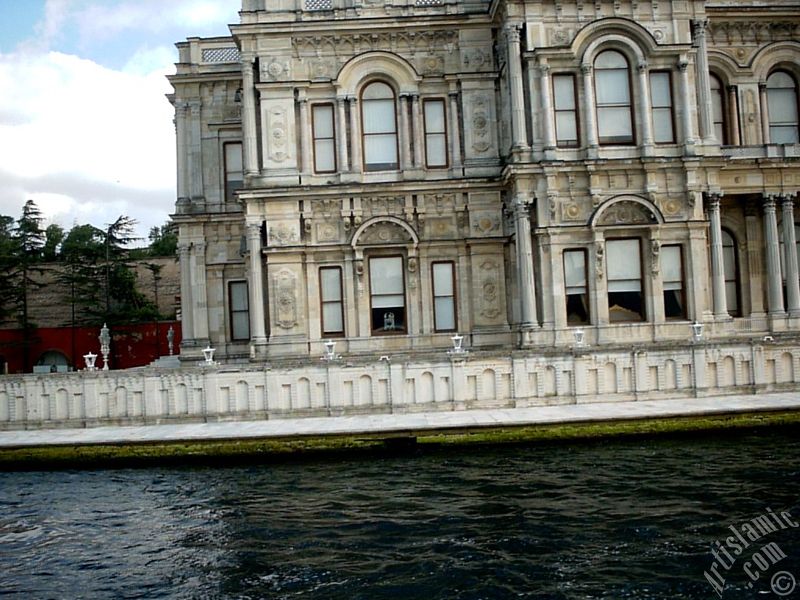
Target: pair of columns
x: 772, y: 247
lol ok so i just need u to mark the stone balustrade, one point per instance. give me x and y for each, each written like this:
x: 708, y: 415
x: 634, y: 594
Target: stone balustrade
x: 583, y: 375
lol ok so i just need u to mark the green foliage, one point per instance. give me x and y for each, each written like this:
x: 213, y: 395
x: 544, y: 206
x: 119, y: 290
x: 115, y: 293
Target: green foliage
x: 54, y: 236
x: 163, y: 240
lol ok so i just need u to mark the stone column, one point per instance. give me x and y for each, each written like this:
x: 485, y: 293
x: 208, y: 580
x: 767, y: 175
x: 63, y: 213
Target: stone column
x: 524, y: 247
x: 790, y: 258
x: 195, y: 151
x: 455, y: 131
x: 258, y: 334
x: 405, y: 135
x: 589, y: 116
x: 547, y: 108
x: 416, y: 120
x: 306, y: 151
x: 200, y: 293
x: 754, y: 259
x: 187, y: 306
x: 355, y: 136
x: 733, y: 115
x: 774, y: 287
x: 645, y: 109
x: 686, y: 104
x: 703, y: 81
x: 341, y: 135
x: 181, y: 109
x: 764, y: 105
x: 249, y: 118
x: 717, y: 259
x: 518, y: 129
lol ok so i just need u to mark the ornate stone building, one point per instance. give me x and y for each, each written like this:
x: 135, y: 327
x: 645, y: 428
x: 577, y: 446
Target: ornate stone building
x: 389, y: 172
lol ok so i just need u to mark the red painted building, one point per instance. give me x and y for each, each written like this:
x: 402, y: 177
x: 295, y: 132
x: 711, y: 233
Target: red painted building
x: 62, y: 348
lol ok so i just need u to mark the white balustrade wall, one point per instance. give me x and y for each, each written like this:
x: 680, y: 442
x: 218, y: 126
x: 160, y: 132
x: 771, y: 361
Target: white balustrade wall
x: 225, y: 393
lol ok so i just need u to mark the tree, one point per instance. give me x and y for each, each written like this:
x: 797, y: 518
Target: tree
x: 83, y: 254
x: 123, y: 302
x: 7, y: 260
x: 163, y: 240
x: 54, y: 236
x: 28, y: 240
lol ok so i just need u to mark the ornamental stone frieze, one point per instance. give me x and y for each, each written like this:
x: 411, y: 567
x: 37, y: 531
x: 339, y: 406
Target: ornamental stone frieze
x: 403, y: 42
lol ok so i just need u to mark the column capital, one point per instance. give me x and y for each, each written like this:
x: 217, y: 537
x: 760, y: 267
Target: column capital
x: 184, y: 248
x: 699, y: 27
x: 544, y: 69
x: 733, y: 88
x: 642, y: 66
x: 512, y: 31
x: 762, y: 86
x: 254, y: 230
x: 769, y: 202
x: 713, y: 200
x: 682, y: 65
x: 586, y: 69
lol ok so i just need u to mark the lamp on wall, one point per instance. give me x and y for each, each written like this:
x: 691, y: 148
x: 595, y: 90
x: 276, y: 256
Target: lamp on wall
x: 697, y: 331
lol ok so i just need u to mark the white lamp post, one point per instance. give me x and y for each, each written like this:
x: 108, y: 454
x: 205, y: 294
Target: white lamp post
x: 105, y: 343
x: 208, y: 354
x: 697, y: 331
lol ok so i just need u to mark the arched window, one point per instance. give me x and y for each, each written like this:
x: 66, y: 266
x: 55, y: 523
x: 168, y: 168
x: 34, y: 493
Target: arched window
x: 379, y: 127
x: 782, y: 107
x: 718, y: 110
x: 613, y: 98
x: 731, y: 269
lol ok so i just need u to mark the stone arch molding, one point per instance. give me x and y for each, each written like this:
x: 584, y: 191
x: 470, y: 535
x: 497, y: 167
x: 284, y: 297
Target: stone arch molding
x: 626, y: 210
x: 372, y: 65
x: 384, y: 231
x: 784, y: 55
x: 617, y: 32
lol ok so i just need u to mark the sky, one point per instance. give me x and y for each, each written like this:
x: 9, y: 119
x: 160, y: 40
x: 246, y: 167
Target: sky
x: 85, y: 128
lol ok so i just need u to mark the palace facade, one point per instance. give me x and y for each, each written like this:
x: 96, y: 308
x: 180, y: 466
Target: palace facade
x: 535, y: 175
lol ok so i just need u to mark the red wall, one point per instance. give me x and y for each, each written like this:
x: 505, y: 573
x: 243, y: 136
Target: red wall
x: 131, y: 345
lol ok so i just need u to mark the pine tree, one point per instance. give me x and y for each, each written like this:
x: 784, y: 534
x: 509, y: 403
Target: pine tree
x: 27, y: 243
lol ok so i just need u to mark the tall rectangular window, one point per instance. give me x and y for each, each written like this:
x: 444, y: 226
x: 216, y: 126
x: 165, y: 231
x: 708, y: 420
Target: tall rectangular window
x: 625, y: 293
x: 444, y: 296
x: 672, y: 279
x: 239, y: 306
x: 387, y: 295
x: 331, y: 297
x: 613, y: 98
x: 435, y: 134
x: 661, y: 99
x: 575, y: 287
x: 566, y: 111
x: 324, y: 133
x: 379, y: 127
x: 234, y: 173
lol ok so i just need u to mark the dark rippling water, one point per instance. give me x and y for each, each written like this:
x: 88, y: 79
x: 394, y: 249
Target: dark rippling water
x: 615, y: 519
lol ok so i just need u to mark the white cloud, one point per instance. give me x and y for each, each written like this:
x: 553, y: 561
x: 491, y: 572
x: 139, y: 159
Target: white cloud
x: 88, y: 142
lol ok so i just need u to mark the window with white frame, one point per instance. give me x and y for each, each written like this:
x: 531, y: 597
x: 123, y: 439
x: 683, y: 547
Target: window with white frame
x: 331, y: 300
x: 234, y: 173
x: 731, y: 269
x: 576, y: 289
x: 782, y: 108
x: 661, y: 101
x: 625, y: 290
x: 566, y: 110
x: 387, y: 294
x: 239, y: 308
x: 379, y: 127
x: 435, y: 133
x: 444, y: 296
x: 672, y: 280
x: 718, y: 109
x: 324, y: 134
x: 613, y: 98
